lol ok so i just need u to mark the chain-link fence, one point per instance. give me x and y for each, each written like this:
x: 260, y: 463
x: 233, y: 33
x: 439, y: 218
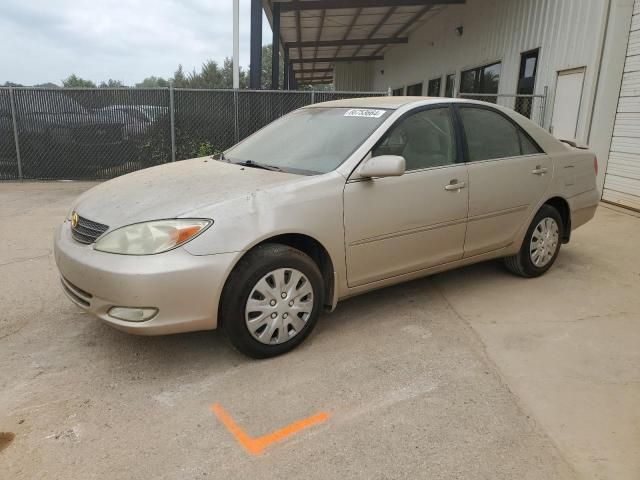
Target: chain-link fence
x: 103, y: 133
x: 8, y: 153
x: 531, y: 106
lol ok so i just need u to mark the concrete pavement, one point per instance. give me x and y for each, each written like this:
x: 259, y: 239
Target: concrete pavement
x: 470, y: 374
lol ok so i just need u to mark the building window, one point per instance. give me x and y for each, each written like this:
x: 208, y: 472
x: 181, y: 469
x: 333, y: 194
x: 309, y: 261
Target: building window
x: 433, y: 89
x: 449, y: 88
x: 482, y: 80
x: 527, y: 82
x: 398, y: 92
x: 414, y: 90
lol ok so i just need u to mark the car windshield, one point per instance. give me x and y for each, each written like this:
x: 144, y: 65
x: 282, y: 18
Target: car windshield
x: 309, y: 141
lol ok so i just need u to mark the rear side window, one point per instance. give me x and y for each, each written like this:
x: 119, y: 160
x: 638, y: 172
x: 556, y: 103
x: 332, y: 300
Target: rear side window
x: 490, y: 136
x: 528, y: 147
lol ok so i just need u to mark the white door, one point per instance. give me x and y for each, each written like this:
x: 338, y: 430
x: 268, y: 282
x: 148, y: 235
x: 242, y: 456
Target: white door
x: 622, y: 180
x: 566, y: 105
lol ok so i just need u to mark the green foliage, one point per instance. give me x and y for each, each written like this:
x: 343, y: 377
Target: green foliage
x: 322, y: 87
x: 73, y: 81
x: 153, y: 82
x: 111, y: 83
x: 265, y: 77
x: 211, y: 75
x: 206, y: 149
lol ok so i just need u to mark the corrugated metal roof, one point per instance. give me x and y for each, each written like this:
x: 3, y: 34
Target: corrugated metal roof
x: 317, y: 38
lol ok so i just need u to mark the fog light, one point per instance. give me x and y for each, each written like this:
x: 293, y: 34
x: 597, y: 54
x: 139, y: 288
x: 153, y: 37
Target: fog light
x: 133, y: 314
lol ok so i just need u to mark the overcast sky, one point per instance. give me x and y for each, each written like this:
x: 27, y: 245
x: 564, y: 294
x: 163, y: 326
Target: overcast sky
x: 127, y: 40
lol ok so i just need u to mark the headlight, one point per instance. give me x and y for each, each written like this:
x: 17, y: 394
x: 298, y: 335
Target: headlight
x: 151, y: 237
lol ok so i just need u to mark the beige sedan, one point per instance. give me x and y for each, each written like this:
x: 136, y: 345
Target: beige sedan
x: 333, y: 200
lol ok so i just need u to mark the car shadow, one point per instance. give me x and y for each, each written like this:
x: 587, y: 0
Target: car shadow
x: 210, y: 351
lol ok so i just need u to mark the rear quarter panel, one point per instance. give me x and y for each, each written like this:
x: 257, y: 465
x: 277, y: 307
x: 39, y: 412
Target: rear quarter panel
x: 575, y: 180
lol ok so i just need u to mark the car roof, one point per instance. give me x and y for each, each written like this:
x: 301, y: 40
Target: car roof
x: 388, y: 102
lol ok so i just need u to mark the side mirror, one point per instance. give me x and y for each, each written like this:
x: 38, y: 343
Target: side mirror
x: 383, y: 166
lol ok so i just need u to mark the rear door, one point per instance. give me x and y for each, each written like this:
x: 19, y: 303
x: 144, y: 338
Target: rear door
x: 508, y: 176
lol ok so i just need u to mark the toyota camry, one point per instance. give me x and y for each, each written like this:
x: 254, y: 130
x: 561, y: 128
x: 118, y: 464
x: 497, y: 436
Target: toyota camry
x: 332, y: 200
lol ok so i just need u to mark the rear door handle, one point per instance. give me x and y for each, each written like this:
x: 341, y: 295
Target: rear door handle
x: 455, y: 185
x: 539, y: 170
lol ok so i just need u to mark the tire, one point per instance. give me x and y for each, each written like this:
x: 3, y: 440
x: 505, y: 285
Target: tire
x: 250, y: 300
x: 528, y: 264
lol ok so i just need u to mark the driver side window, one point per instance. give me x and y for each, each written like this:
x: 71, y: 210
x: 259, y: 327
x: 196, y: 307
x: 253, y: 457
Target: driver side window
x: 425, y: 139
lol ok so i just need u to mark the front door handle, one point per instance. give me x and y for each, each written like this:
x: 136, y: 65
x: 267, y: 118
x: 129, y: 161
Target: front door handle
x: 455, y: 186
x: 539, y: 170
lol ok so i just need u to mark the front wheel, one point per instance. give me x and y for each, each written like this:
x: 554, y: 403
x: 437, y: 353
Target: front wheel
x: 272, y: 300
x: 541, y: 245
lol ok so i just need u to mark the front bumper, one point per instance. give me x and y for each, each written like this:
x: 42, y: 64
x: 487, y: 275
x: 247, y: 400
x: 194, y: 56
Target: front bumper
x: 184, y: 288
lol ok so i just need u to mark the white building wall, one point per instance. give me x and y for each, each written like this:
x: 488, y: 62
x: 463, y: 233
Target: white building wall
x: 609, y: 82
x: 569, y: 34
x: 353, y: 76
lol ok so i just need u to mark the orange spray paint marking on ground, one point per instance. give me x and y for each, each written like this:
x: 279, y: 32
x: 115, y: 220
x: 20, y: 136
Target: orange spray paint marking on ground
x: 256, y: 446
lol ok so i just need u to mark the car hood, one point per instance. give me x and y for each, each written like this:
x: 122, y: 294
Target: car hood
x: 174, y: 190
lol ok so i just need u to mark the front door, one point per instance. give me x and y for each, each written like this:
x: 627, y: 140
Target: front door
x: 404, y: 224
x: 508, y: 176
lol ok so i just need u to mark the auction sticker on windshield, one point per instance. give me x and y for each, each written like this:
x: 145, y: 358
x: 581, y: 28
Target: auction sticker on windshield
x: 364, y: 112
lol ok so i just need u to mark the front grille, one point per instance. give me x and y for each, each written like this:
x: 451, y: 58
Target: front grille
x: 87, y: 231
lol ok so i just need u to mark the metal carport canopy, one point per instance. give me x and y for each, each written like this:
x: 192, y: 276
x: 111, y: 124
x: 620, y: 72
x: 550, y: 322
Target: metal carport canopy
x: 315, y: 34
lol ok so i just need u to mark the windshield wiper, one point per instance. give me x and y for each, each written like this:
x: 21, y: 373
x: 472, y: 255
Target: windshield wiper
x: 254, y: 164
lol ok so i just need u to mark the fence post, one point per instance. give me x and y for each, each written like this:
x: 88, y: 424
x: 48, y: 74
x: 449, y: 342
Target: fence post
x: 313, y: 97
x: 389, y: 92
x: 543, y: 113
x: 236, y: 128
x: 172, y: 116
x: 15, y: 131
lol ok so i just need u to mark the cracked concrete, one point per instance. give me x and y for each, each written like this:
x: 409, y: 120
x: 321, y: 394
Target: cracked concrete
x: 471, y: 374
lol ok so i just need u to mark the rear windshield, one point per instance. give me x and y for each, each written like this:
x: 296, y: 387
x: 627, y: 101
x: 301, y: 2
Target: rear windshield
x: 310, y: 140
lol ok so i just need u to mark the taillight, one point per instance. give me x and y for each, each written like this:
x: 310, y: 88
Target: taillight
x: 595, y: 165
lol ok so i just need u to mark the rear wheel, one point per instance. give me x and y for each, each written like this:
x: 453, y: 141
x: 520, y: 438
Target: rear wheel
x: 541, y: 245
x: 272, y: 300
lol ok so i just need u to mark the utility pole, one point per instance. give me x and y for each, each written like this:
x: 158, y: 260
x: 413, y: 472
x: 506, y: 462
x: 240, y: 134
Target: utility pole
x: 236, y: 44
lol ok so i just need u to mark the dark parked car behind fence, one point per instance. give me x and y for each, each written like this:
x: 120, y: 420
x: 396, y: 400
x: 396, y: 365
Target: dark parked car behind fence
x: 103, y: 133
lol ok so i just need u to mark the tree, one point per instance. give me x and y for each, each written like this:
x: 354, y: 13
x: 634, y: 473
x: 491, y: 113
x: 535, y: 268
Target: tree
x: 73, y: 81
x: 227, y: 74
x: 12, y: 84
x: 265, y: 78
x: 211, y: 75
x: 153, y: 82
x: 179, y: 78
x: 112, y: 84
